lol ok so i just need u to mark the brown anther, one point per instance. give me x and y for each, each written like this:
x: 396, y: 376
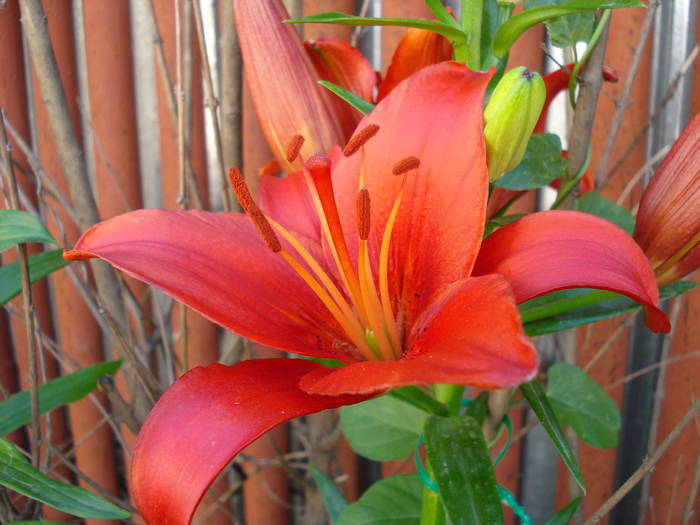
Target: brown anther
x: 240, y: 188
x: 363, y: 214
x: 360, y: 139
x: 405, y: 165
x: 293, y: 148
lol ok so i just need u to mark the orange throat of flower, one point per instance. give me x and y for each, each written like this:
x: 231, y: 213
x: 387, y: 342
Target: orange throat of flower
x: 364, y: 313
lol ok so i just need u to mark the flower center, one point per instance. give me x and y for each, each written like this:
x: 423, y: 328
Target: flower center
x: 364, y: 313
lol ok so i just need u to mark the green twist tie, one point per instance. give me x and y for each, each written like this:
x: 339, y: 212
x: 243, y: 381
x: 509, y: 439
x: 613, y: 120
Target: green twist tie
x: 508, y: 498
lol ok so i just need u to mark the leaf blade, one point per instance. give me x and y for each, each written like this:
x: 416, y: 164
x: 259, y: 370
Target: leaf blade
x: 40, y: 266
x: 18, y: 226
x: 390, y: 501
x: 356, y: 101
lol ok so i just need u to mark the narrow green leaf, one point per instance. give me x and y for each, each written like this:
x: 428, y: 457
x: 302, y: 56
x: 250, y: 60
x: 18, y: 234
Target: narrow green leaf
x: 18, y: 475
x: 511, y: 30
x: 40, y: 266
x: 567, y: 30
x: 419, y: 398
x: 390, y: 501
x: 18, y: 226
x: 356, y: 101
x: 566, y: 514
x: 537, y: 399
x: 442, y: 14
x: 541, y: 164
x: 595, y: 204
x: 461, y: 464
x: 332, y: 498
x: 582, y: 404
x: 448, y: 31
x: 15, y: 411
x: 383, y: 428
x: 572, y: 308
x: 478, y: 409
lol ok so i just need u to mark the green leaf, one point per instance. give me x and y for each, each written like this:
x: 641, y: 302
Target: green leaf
x: 419, y: 398
x: 19, y: 226
x: 538, y: 401
x: 18, y: 475
x: 541, y: 164
x: 40, y: 266
x: 442, y: 14
x: 37, y: 523
x: 566, y: 31
x: 356, y: 101
x: 582, y: 404
x: 566, y: 514
x: 478, y: 409
x: 15, y: 411
x: 448, y: 31
x: 572, y: 308
x: 383, y: 428
x: 461, y: 465
x: 390, y: 501
x: 511, y: 30
x: 595, y: 204
x: 332, y: 498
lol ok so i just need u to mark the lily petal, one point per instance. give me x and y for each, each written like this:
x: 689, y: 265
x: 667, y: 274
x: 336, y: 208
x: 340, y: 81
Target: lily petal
x: 668, y: 220
x: 470, y: 335
x: 553, y: 250
x: 337, y: 61
x: 436, y: 116
x: 217, y: 264
x: 283, y: 82
x: 417, y: 49
x: 204, y: 419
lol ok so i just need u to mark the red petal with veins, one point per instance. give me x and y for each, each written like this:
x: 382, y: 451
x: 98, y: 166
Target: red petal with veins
x: 669, y: 212
x: 470, y: 335
x: 417, y: 49
x: 283, y: 82
x: 337, y: 61
x: 204, y: 419
x: 436, y: 116
x: 553, y: 250
x: 217, y: 264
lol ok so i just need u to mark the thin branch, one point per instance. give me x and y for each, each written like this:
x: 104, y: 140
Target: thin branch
x: 651, y: 368
x: 634, y: 180
x: 644, y: 468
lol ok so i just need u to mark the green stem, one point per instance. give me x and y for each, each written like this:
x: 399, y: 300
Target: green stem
x: 589, y: 48
x: 472, y: 16
x: 569, y: 186
x: 565, y: 305
x: 450, y: 395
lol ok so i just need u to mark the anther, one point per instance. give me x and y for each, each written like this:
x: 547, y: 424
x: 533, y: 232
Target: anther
x: 405, y: 165
x: 363, y: 214
x: 240, y: 188
x: 360, y: 139
x: 294, y: 147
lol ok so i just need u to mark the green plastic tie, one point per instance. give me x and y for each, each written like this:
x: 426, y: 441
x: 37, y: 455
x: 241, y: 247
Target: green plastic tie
x: 508, y: 498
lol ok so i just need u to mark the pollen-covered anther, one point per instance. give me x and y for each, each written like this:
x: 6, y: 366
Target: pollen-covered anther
x: 360, y: 139
x: 405, y: 165
x: 294, y: 147
x: 240, y: 188
x: 363, y: 214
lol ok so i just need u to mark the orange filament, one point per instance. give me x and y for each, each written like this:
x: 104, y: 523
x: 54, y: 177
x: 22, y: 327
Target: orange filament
x: 240, y: 188
x: 363, y: 214
x: 360, y: 139
x: 294, y: 147
x: 405, y: 165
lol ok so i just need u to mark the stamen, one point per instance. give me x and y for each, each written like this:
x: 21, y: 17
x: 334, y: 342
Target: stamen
x: 360, y: 139
x: 363, y: 214
x: 405, y: 165
x: 294, y: 147
x: 240, y: 188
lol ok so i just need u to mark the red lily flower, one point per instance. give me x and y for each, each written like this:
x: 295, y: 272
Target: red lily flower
x: 668, y: 221
x: 388, y: 286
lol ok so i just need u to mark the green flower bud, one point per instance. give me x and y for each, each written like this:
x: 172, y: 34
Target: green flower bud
x: 510, y: 117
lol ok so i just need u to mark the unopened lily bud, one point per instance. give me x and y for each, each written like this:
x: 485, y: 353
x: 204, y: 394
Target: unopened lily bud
x: 510, y: 117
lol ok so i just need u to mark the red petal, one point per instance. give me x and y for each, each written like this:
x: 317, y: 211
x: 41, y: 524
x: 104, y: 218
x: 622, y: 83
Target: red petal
x: 217, y: 264
x: 417, y: 49
x: 553, y: 250
x: 283, y: 81
x: 470, y: 335
x: 669, y: 216
x: 436, y: 116
x: 204, y: 419
x: 337, y: 61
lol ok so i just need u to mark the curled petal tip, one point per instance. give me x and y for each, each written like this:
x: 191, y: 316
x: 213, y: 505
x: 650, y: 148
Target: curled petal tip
x: 77, y: 255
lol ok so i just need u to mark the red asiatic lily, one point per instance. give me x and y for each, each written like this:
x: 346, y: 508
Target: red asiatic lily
x: 668, y: 222
x: 379, y: 264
